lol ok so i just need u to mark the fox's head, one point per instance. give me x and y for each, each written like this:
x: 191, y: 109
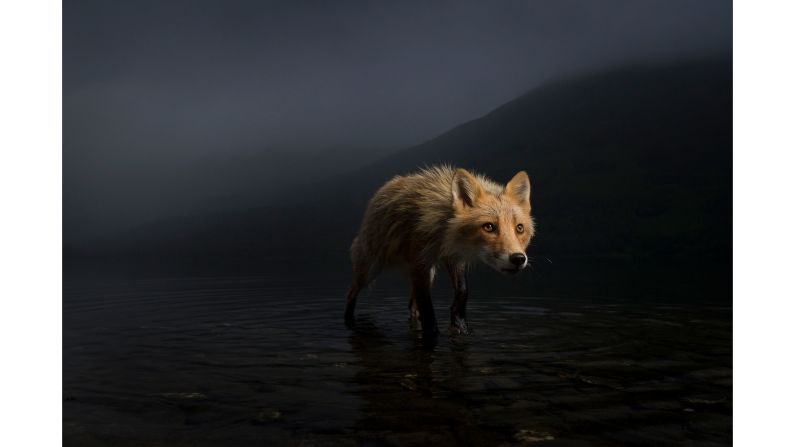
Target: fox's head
x: 491, y: 223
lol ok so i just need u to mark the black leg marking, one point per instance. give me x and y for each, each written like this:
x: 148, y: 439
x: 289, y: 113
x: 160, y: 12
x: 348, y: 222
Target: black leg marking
x: 421, y: 280
x: 458, y: 310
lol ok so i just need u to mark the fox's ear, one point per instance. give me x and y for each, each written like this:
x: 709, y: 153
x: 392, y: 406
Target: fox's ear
x: 466, y: 188
x: 519, y: 187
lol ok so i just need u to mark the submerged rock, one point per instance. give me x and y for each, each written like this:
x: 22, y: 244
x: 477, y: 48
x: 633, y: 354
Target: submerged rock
x: 190, y: 396
x: 266, y: 416
x: 529, y: 436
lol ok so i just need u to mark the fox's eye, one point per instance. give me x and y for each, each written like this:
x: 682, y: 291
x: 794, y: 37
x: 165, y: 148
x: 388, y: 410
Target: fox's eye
x: 488, y: 227
x: 520, y: 228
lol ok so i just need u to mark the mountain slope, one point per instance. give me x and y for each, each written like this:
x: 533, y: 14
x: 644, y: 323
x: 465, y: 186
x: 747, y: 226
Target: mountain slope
x: 632, y: 164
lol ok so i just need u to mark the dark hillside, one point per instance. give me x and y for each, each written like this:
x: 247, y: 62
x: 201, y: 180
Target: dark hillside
x: 630, y: 166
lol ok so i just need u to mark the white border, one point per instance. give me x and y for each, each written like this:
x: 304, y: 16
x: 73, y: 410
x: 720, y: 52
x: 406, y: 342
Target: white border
x: 30, y: 237
x: 764, y: 222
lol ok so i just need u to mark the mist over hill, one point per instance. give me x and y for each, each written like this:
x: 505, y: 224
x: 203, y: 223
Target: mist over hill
x: 630, y: 166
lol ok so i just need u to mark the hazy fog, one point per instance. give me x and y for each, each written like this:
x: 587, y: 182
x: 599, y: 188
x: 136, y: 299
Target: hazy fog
x: 176, y: 107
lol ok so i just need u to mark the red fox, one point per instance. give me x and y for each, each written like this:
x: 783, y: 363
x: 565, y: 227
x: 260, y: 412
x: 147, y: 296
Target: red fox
x: 441, y: 216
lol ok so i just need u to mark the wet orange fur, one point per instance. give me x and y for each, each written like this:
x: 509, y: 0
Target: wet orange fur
x: 437, y: 216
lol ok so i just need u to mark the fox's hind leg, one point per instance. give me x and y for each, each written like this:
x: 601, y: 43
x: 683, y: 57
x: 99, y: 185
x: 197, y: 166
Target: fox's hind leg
x: 363, y: 273
x: 350, y: 301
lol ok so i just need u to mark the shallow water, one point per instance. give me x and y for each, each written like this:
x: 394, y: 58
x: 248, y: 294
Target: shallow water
x: 268, y: 361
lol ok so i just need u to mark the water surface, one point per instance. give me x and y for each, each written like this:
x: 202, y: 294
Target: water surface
x: 268, y: 361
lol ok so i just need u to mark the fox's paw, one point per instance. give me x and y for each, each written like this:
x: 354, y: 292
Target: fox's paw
x: 414, y: 320
x: 459, y: 327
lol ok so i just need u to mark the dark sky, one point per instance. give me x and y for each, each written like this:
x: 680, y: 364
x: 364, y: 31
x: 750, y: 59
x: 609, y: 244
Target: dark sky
x: 176, y: 107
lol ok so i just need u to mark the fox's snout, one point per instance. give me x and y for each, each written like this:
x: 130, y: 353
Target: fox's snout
x: 518, y: 259
x: 510, y: 263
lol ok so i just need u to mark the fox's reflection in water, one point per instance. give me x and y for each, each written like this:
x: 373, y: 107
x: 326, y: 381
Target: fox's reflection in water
x: 244, y: 361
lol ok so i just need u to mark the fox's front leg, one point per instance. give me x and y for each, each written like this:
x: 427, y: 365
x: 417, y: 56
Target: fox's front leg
x: 458, y: 311
x: 414, y: 311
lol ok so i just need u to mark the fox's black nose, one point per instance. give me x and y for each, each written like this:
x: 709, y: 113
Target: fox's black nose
x: 518, y: 259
